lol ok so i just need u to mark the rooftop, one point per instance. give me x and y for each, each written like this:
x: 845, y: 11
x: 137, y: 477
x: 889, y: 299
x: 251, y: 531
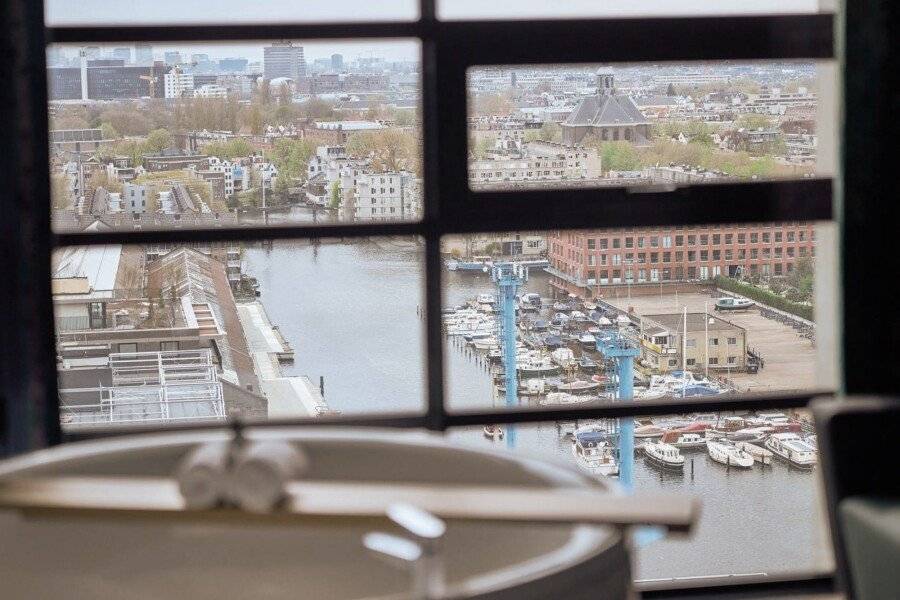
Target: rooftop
x: 674, y: 323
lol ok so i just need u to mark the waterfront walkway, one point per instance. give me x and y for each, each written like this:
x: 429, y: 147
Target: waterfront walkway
x: 288, y: 396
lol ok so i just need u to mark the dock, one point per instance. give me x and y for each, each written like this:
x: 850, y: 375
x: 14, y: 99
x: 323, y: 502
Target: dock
x: 288, y: 396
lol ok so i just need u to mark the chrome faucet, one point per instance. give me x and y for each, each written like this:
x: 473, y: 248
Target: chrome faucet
x: 421, y: 555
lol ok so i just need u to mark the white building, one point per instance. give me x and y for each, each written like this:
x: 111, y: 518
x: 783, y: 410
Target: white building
x: 535, y: 161
x: 227, y: 169
x: 178, y: 85
x: 211, y: 90
x: 386, y: 197
x: 135, y: 198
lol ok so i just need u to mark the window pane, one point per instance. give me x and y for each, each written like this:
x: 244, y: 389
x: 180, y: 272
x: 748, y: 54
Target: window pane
x: 707, y: 311
x: 555, y: 126
x: 762, y: 520
x: 539, y: 9
x: 190, y: 136
x: 280, y: 329
x: 172, y: 12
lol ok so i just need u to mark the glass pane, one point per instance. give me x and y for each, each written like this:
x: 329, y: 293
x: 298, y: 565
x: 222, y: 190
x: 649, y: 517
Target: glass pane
x: 559, y: 126
x: 705, y: 310
x: 162, y: 334
x: 757, y: 520
x: 189, y: 135
x: 172, y: 12
x: 539, y: 9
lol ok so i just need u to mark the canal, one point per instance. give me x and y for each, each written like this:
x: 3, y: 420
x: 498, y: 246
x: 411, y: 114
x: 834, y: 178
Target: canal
x: 352, y: 314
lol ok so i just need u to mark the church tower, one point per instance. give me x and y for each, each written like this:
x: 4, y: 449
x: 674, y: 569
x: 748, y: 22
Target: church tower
x: 605, y: 82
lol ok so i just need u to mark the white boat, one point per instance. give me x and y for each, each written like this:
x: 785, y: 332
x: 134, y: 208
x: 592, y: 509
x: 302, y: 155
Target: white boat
x: 648, y: 431
x: 493, y: 432
x: 687, y: 440
x: 664, y: 455
x: 560, y: 398
x: 593, y: 452
x: 727, y: 303
x: 760, y: 455
x: 790, y: 447
x: 563, y: 357
x: 729, y: 455
x: 485, y: 299
x: 588, y: 341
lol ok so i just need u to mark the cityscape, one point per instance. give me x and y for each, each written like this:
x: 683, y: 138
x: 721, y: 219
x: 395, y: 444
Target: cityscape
x: 147, y: 138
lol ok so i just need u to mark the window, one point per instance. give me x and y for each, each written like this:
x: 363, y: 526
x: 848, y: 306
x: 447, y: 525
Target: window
x: 127, y: 348
x: 405, y: 256
x: 732, y: 341
x: 169, y: 346
x: 713, y: 360
x: 713, y: 341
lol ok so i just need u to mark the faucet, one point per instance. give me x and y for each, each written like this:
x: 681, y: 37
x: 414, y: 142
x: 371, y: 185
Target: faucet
x: 420, y: 553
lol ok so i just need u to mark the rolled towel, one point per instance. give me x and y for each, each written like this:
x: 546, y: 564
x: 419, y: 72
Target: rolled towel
x: 261, y: 472
x: 203, y: 475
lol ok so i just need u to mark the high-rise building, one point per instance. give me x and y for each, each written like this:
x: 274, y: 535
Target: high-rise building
x: 91, y: 52
x: 173, y: 58
x: 283, y: 59
x: 178, y: 85
x: 143, y: 54
x: 337, y: 62
x: 123, y: 54
x: 233, y: 65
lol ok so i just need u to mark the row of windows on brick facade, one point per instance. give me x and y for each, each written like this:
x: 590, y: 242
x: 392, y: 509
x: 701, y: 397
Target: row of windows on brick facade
x: 680, y: 273
x: 703, y: 239
x: 641, y: 258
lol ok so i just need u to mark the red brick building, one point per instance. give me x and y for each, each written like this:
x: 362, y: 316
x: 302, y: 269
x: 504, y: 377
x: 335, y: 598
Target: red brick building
x: 582, y: 262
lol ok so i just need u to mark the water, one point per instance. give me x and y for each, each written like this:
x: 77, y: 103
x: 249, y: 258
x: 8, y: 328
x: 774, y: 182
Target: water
x: 350, y: 312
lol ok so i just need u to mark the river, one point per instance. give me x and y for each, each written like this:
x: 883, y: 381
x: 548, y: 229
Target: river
x: 351, y: 312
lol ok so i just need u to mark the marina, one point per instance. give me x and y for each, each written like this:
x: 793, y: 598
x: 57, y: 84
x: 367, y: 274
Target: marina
x: 352, y: 314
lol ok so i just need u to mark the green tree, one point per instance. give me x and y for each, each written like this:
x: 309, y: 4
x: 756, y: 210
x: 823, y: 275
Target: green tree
x: 157, y: 141
x: 619, y: 156
x: 335, y: 201
x: 233, y: 148
x: 753, y: 122
x: 291, y: 158
x: 108, y: 132
x: 389, y: 149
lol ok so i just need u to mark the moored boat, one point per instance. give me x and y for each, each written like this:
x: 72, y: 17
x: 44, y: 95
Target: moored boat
x: 648, y: 431
x: 760, y: 455
x: 728, y: 454
x: 684, y: 440
x: 727, y: 303
x: 790, y: 447
x: 493, y: 432
x: 588, y: 341
x: 577, y: 387
x: 594, y: 453
x: 664, y: 455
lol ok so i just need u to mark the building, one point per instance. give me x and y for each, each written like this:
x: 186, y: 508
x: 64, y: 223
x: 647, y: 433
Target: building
x: 173, y: 160
x: 172, y: 58
x: 387, y: 196
x: 531, y: 244
x: 135, y: 198
x: 707, y: 343
x: 607, y: 115
x: 233, y: 65
x: 584, y: 262
x: 105, y: 79
x: 283, y: 59
x: 178, y: 84
x: 143, y: 54
x: 517, y: 161
x: 227, y: 169
x: 123, y: 54
x: 210, y: 90
x: 337, y: 62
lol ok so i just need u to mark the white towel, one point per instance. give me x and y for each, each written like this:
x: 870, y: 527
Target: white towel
x: 261, y: 473
x: 203, y: 475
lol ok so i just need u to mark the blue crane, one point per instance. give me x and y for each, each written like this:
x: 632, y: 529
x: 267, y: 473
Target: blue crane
x: 509, y: 277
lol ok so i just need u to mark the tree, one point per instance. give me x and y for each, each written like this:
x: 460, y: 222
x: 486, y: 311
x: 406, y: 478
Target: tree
x: 617, y: 156
x: 551, y: 132
x: 493, y: 104
x: 335, y: 201
x: 280, y: 194
x: 388, y: 149
x: 753, y: 122
x: 670, y: 90
x: 108, y: 132
x: 60, y: 191
x: 233, y: 148
x: 291, y: 158
x: 157, y: 141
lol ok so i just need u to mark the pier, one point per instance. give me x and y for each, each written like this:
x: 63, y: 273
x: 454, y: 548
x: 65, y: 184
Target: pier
x: 288, y: 396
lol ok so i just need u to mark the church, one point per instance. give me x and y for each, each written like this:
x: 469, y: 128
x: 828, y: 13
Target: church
x: 610, y: 116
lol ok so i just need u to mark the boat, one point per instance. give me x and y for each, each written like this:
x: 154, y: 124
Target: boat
x: 760, y: 455
x: 563, y: 357
x: 560, y: 306
x: 588, y: 341
x: 532, y: 298
x: 560, y: 398
x: 685, y: 440
x: 590, y: 306
x: 790, y: 447
x: 586, y: 364
x: 604, y: 322
x: 751, y: 435
x: 648, y: 431
x: 593, y: 452
x: 560, y: 319
x: 727, y: 303
x: 579, y: 317
x: 481, y: 264
x: 553, y: 341
x: 664, y: 455
x: 485, y: 299
x: 577, y: 387
x: 493, y: 432
x: 728, y: 454
x: 537, y: 367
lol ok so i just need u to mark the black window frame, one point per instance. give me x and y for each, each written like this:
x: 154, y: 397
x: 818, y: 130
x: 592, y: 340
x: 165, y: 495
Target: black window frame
x: 448, y: 49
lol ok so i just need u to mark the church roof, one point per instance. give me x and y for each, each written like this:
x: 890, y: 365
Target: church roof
x: 606, y: 110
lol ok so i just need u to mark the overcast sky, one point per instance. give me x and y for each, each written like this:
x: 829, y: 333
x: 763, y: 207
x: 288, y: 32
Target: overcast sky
x: 119, y: 12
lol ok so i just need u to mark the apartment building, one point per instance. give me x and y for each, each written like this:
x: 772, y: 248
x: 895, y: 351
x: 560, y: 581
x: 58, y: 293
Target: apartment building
x: 513, y: 160
x: 582, y: 262
x: 697, y: 341
x: 386, y: 197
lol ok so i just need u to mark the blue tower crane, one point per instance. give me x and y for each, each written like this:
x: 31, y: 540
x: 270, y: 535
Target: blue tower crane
x: 617, y: 347
x: 509, y: 277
